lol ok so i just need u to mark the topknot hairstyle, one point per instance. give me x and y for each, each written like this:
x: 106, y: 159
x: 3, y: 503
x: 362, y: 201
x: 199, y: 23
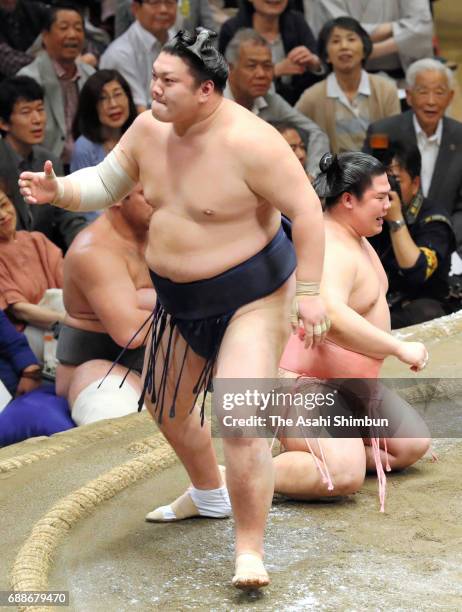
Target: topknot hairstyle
x: 205, y: 62
x: 350, y: 172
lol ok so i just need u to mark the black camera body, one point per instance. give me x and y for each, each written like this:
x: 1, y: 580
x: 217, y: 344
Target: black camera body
x: 395, y: 185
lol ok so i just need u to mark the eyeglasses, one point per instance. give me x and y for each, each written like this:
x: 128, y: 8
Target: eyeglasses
x: 157, y: 3
x: 116, y: 97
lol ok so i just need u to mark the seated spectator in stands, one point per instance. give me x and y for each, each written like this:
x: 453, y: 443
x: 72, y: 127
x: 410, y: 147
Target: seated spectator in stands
x: 415, y: 246
x: 105, y: 266
x: 29, y: 265
x: 191, y: 14
x: 133, y: 53
x: 21, y: 22
x: 33, y: 408
x: 297, y: 140
x: 58, y: 70
x: 439, y: 138
x: 250, y: 76
x: 349, y: 99
x: 290, y: 39
x: 106, y: 109
x: 22, y: 125
x: 401, y: 30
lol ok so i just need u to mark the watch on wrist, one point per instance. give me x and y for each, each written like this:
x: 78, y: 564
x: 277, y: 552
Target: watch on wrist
x: 396, y: 225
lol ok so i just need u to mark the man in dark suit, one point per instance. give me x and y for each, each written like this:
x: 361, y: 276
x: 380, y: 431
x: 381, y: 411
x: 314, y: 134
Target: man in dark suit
x: 439, y: 139
x: 22, y: 125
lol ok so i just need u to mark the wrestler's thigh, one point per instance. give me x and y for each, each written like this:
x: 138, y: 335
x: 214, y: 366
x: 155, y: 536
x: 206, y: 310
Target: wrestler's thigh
x: 339, y: 453
x: 180, y: 359
x: 256, y: 335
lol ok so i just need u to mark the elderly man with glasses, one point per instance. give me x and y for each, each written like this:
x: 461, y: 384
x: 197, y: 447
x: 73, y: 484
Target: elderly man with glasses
x: 133, y: 53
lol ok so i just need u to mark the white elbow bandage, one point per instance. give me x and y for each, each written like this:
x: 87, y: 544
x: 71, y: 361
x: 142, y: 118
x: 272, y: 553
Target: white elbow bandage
x: 96, y: 187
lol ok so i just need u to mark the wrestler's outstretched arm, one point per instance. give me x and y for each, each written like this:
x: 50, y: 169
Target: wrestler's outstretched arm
x: 350, y: 329
x: 87, y: 189
x: 274, y: 175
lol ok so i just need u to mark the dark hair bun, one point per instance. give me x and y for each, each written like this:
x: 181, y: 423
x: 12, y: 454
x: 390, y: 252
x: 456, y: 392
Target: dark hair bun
x: 326, y: 161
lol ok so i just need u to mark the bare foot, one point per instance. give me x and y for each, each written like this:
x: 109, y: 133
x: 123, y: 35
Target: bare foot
x: 250, y: 572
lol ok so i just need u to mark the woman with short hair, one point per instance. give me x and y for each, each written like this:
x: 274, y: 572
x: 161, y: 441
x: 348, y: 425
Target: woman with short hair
x: 349, y: 99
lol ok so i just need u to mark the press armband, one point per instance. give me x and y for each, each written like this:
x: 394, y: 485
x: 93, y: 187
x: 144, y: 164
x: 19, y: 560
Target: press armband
x: 94, y: 188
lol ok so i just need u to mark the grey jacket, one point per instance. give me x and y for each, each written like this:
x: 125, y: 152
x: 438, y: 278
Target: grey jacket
x: 42, y: 71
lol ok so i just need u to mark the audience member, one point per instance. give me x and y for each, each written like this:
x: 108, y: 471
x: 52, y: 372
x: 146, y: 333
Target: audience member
x: 292, y: 44
x: 415, y: 248
x: 106, y: 266
x: 349, y: 99
x: 401, y: 30
x: 29, y: 265
x: 190, y: 15
x: 33, y: 409
x: 21, y: 22
x: 439, y: 138
x: 133, y: 53
x: 105, y: 111
x: 61, y: 75
x: 22, y: 125
x: 297, y: 140
x: 250, y: 76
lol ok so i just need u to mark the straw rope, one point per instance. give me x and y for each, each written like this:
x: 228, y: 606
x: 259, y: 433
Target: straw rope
x: 75, y: 438
x: 33, y: 563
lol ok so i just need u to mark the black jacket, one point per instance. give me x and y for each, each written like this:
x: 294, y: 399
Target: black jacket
x: 294, y: 33
x: 446, y: 186
x: 432, y: 232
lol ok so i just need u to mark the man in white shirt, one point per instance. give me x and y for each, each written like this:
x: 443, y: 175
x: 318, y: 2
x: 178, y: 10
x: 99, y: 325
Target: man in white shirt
x: 439, y: 138
x: 133, y: 53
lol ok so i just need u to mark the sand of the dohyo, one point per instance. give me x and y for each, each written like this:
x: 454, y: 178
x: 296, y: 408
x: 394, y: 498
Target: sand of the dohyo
x: 73, y: 507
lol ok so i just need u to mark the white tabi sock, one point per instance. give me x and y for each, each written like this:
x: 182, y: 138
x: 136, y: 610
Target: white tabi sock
x: 214, y: 503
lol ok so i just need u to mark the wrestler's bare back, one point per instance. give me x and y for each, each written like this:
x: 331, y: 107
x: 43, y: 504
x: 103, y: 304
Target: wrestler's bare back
x: 206, y: 218
x: 123, y: 258
x: 369, y: 284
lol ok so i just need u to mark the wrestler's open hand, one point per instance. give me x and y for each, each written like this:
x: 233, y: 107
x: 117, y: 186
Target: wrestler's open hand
x: 414, y: 354
x: 39, y: 187
x: 313, y: 320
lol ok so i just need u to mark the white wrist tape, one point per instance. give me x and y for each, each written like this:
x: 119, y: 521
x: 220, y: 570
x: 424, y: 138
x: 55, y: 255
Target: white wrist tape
x: 96, y: 187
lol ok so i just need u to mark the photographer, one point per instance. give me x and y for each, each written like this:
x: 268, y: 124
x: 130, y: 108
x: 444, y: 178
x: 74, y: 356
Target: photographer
x: 415, y: 245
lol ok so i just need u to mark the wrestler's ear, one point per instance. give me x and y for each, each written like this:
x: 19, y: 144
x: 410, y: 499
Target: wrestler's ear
x: 206, y: 90
x: 346, y: 200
